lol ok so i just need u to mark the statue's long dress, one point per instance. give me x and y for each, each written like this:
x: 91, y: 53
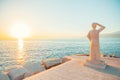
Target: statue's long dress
x: 94, y: 45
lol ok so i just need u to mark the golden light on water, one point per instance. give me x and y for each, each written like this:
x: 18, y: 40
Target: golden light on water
x: 20, y: 44
x: 20, y: 55
x: 20, y: 58
x: 20, y: 31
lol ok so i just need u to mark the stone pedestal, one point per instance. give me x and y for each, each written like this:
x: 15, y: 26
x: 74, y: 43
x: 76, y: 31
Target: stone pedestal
x: 96, y: 64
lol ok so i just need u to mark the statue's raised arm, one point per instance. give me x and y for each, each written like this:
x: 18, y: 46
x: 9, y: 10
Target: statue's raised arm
x: 101, y: 27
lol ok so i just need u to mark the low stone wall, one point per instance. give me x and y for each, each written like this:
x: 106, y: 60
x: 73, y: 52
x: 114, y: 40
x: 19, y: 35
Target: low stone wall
x: 18, y: 72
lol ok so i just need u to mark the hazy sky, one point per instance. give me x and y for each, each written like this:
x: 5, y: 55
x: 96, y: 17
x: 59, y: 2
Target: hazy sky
x: 59, y: 18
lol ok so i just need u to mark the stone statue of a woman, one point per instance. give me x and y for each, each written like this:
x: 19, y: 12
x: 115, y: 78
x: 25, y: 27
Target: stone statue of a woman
x: 93, y: 37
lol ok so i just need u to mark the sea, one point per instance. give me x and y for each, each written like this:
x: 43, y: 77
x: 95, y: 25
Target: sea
x: 19, y: 52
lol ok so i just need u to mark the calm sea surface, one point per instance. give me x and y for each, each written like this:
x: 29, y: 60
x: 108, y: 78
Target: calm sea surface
x: 20, y: 52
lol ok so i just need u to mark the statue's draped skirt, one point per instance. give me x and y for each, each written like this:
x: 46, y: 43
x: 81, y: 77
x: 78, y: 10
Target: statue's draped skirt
x: 94, y: 50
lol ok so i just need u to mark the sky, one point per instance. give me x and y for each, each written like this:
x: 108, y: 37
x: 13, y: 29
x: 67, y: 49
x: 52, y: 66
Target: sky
x: 58, y: 18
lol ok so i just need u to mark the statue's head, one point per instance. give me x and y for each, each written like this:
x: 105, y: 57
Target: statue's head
x: 94, y: 25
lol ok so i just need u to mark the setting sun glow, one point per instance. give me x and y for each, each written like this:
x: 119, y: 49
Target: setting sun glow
x: 20, y: 30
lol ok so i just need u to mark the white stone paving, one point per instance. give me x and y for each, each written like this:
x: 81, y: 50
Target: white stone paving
x: 75, y: 70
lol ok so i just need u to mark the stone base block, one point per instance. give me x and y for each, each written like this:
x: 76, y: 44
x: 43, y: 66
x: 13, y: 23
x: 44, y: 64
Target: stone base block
x: 96, y: 64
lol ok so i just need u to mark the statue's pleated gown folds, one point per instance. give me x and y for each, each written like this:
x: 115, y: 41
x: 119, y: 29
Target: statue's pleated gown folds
x: 94, y: 45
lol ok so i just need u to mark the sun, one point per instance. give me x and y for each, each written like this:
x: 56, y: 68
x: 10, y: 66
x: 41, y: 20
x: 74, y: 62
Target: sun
x: 19, y: 30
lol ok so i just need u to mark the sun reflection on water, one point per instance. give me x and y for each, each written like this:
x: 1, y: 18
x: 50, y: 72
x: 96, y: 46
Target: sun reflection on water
x: 21, y: 56
x: 20, y: 44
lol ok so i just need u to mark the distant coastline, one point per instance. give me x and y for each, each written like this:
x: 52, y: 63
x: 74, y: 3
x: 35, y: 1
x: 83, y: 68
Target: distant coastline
x: 111, y: 35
